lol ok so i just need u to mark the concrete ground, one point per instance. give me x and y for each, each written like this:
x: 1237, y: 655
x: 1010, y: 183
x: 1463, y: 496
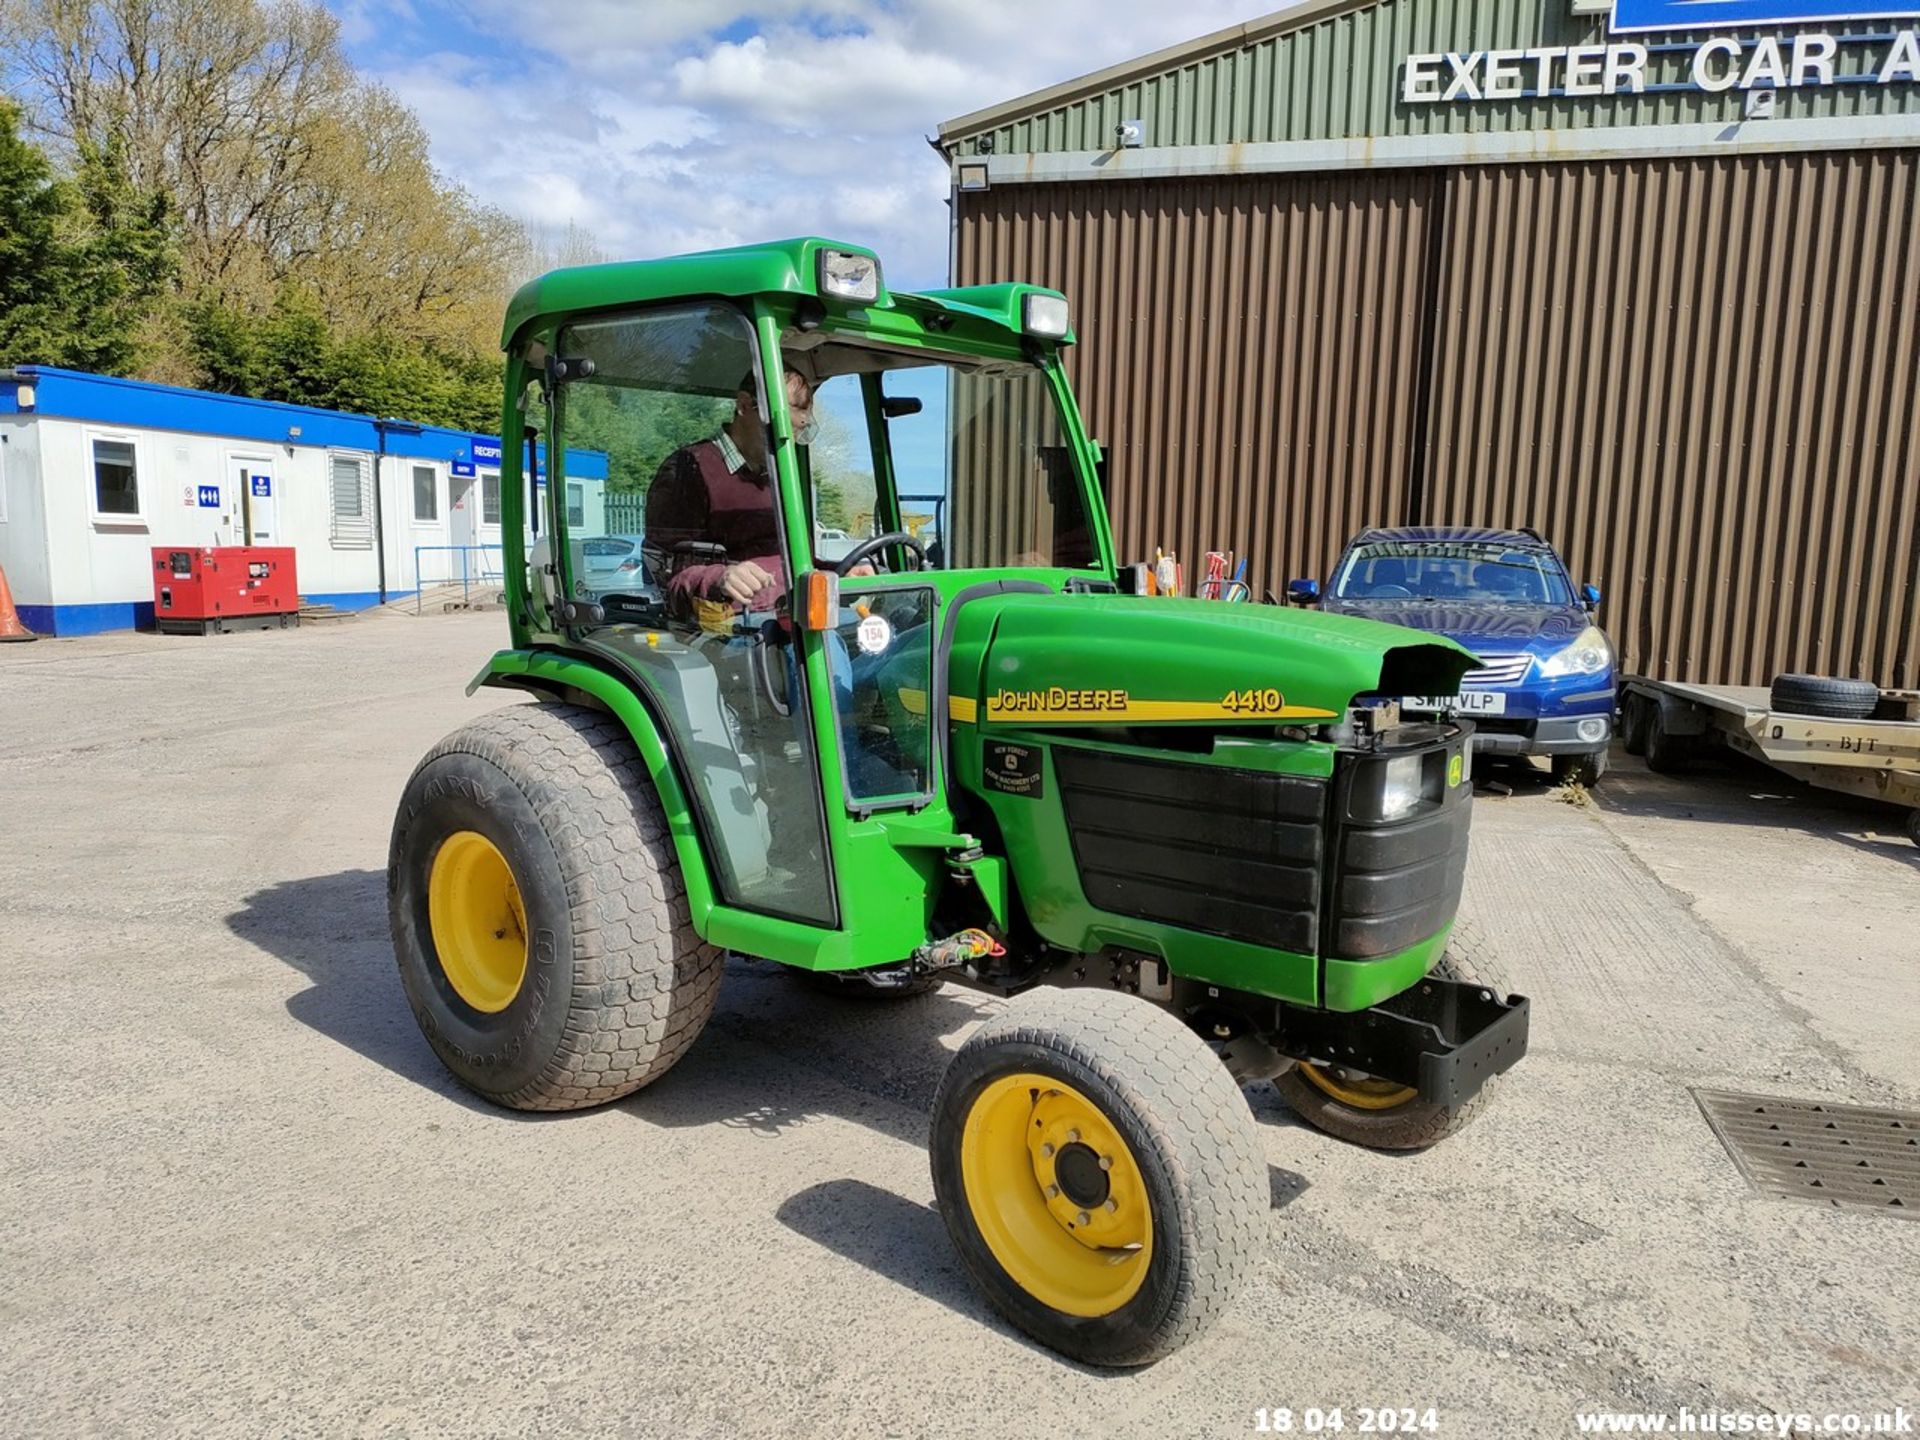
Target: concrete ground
x: 239, y: 1196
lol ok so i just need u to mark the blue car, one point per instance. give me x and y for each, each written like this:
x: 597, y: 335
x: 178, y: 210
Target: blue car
x: 1546, y: 682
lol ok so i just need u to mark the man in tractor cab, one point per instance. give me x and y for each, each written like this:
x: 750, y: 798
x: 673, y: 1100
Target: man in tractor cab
x: 715, y: 492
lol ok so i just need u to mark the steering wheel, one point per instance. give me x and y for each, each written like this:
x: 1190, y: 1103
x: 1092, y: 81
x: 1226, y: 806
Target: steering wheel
x: 844, y: 565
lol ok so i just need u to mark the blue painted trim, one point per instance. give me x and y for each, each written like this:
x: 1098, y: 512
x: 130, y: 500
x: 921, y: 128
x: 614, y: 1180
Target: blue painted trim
x: 70, y: 620
x: 138, y: 404
x: 67, y: 621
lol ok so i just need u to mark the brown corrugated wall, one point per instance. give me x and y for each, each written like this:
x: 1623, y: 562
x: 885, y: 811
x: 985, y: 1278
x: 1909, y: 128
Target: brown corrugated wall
x: 1698, y: 377
x: 1249, y: 349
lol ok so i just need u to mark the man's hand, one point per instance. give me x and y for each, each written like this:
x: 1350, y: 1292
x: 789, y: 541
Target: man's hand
x: 742, y: 582
x: 863, y: 568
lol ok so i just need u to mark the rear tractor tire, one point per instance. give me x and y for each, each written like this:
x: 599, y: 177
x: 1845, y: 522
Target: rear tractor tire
x: 539, y: 918
x: 1380, y: 1114
x: 1099, y: 1173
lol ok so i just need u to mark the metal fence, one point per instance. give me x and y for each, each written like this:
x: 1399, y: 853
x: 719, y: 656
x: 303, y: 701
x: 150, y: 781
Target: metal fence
x: 475, y: 569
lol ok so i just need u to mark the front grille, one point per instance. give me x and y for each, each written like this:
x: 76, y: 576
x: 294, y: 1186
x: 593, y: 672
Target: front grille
x: 1225, y: 852
x: 1500, y: 670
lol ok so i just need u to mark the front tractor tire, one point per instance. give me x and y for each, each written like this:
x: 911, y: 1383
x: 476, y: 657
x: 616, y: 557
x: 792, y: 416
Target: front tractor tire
x: 1099, y: 1173
x: 1380, y: 1114
x: 539, y: 918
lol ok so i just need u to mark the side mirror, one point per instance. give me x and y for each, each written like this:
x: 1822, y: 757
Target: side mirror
x: 1303, y: 592
x: 896, y: 406
x: 1100, y: 471
x: 1591, y: 594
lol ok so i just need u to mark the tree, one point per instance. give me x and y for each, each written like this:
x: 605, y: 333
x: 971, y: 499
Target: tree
x: 84, y: 262
x: 283, y: 167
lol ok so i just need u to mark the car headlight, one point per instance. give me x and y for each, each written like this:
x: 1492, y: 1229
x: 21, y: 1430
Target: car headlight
x: 1589, y: 654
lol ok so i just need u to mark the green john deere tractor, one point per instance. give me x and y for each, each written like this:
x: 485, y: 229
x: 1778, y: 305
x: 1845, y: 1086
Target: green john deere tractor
x: 1193, y: 844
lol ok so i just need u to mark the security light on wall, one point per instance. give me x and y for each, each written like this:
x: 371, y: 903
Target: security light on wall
x: 1591, y: 7
x: 1761, y: 103
x: 1131, y: 134
x: 973, y: 176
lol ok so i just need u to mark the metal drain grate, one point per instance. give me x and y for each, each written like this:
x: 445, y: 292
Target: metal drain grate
x: 1814, y: 1150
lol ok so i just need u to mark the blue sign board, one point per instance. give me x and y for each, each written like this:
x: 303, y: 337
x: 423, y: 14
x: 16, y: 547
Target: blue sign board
x: 209, y: 497
x: 1741, y: 14
x: 262, y: 486
x: 463, y: 469
x: 486, y: 451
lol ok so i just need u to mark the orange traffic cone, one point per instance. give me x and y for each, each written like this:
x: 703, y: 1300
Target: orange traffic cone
x: 10, y: 626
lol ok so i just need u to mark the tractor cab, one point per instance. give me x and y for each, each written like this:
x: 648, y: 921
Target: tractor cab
x: 938, y: 435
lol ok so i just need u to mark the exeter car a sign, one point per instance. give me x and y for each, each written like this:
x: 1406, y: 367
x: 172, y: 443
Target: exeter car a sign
x: 1724, y: 62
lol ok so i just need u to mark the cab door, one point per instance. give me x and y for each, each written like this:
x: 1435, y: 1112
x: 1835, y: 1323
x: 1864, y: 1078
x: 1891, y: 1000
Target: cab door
x: 721, y: 678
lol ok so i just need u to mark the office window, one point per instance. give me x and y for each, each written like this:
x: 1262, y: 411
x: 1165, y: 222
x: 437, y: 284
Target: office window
x: 489, y: 499
x: 426, y: 494
x: 116, y: 480
x: 352, y: 507
x: 576, y: 505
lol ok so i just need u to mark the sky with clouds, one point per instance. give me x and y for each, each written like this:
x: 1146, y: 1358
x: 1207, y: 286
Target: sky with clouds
x: 658, y: 126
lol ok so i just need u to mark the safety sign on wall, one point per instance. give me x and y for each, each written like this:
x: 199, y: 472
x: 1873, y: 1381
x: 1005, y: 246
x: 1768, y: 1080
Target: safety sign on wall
x: 209, y: 497
x: 262, y: 486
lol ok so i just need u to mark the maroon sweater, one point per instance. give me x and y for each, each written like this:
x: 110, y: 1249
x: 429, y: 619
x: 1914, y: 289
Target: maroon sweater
x: 696, y: 497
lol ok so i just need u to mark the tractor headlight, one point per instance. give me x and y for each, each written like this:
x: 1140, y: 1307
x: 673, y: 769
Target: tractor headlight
x: 1044, y: 315
x: 1392, y: 789
x: 1589, y: 654
x: 848, y: 276
x: 1401, y: 789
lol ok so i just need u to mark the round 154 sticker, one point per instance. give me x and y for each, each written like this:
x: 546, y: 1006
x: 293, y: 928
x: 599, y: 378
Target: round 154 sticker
x: 874, y: 634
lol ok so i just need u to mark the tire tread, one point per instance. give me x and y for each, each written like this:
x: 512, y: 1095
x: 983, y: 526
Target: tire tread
x: 644, y: 983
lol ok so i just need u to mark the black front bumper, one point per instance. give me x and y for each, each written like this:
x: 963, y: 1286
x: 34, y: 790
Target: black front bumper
x: 1443, y: 1037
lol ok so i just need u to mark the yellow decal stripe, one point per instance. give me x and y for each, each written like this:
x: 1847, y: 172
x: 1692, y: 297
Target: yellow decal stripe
x: 1148, y: 710
x: 961, y: 708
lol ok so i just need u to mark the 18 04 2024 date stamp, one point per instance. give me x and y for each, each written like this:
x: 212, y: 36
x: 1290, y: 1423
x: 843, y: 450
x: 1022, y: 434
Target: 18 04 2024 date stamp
x: 1341, y: 1420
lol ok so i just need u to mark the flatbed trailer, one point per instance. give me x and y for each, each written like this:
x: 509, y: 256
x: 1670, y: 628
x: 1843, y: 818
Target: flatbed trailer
x: 1669, y: 721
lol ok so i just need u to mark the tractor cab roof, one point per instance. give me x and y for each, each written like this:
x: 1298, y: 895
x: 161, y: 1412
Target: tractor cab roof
x: 776, y: 267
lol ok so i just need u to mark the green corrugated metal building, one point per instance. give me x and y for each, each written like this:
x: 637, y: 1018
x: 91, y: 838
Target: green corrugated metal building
x: 1654, y: 290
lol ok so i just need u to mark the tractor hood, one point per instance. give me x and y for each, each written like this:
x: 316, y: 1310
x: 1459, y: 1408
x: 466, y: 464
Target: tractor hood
x: 1026, y: 659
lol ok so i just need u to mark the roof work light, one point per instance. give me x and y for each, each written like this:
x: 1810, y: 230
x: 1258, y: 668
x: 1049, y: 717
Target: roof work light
x: 1044, y: 315
x: 849, y: 276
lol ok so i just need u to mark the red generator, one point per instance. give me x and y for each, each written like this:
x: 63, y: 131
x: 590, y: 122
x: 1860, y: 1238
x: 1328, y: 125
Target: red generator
x: 215, y: 589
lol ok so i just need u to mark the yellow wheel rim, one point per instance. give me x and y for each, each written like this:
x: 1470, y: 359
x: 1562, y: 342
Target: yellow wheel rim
x: 1057, y: 1195
x: 479, y: 924
x: 1363, y: 1092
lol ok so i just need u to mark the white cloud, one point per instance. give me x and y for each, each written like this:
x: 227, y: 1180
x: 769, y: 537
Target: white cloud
x: 661, y: 125
x: 859, y: 83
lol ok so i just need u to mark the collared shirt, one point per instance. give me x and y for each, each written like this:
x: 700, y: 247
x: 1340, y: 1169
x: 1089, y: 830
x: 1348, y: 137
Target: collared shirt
x: 706, y: 493
x: 730, y: 454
